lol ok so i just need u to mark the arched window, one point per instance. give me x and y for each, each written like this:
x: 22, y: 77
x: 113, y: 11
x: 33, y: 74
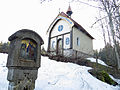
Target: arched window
x: 53, y: 44
x: 78, y: 41
x: 67, y: 41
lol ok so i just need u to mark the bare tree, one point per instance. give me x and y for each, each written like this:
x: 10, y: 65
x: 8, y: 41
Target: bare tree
x: 103, y: 30
x: 112, y: 10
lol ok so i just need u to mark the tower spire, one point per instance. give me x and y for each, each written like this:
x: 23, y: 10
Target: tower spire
x: 69, y: 11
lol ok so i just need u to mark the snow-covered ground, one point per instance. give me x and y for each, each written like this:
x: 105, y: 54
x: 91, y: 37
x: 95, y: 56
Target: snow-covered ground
x: 3, y: 72
x: 54, y: 75
x: 99, y: 61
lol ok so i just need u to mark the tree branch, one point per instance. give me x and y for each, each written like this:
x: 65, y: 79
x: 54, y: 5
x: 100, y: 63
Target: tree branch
x: 88, y: 4
x: 98, y: 21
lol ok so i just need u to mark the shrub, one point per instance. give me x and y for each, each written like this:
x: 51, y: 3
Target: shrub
x: 104, y: 76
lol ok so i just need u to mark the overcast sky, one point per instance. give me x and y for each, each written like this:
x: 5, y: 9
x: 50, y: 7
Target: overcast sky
x: 31, y: 14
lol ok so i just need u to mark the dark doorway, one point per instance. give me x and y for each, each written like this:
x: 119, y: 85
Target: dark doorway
x: 59, y: 46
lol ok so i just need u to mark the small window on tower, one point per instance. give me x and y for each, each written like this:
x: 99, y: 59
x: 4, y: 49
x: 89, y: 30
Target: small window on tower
x: 78, y: 41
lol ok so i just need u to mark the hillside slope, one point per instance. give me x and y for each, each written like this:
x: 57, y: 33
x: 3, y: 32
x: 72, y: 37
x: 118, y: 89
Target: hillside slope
x: 59, y: 76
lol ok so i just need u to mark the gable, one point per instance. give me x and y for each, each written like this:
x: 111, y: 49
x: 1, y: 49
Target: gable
x: 70, y: 21
x: 57, y: 19
x: 61, y: 27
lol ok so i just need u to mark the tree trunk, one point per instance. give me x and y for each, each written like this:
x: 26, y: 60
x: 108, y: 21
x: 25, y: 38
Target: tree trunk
x: 114, y: 41
x: 108, y: 9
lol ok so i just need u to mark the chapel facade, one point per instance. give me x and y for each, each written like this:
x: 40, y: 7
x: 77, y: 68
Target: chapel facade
x: 68, y: 38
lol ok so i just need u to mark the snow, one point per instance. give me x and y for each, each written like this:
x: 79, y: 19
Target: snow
x: 117, y: 80
x: 99, y: 61
x: 53, y: 75
x: 3, y: 72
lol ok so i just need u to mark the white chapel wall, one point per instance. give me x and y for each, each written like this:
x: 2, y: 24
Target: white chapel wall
x: 86, y: 44
x: 64, y: 34
x: 66, y: 28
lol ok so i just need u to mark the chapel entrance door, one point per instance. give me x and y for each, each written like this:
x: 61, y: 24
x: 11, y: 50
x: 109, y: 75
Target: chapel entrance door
x: 59, y: 46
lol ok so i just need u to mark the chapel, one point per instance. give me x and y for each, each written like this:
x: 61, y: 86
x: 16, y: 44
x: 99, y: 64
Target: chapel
x: 68, y: 38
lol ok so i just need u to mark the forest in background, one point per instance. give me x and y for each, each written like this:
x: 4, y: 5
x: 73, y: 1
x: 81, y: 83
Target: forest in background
x: 107, y: 54
x: 4, y: 47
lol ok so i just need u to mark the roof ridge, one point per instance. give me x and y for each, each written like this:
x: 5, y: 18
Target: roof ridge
x: 76, y: 24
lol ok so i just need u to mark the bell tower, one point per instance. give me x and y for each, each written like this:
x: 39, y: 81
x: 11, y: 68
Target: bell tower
x: 69, y: 11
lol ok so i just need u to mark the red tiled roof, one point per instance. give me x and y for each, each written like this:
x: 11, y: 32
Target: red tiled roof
x: 78, y: 26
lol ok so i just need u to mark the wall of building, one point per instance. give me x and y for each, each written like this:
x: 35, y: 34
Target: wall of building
x: 62, y: 32
x: 85, y: 42
x: 65, y: 28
